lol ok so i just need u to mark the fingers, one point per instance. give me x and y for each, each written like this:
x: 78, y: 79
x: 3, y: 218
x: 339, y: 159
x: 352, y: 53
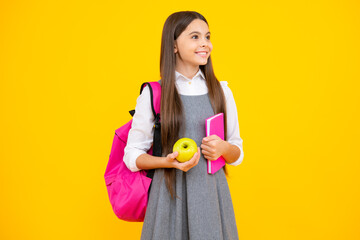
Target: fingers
x: 205, y: 147
x: 196, y: 157
x: 207, y: 151
x: 174, y: 154
x: 186, y: 166
x: 171, y: 159
x: 209, y: 144
x: 212, y: 147
x: 209, y: 157
x: 210, y: 138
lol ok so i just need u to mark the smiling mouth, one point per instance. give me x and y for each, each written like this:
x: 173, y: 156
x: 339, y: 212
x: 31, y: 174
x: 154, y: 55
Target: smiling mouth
x: 202, y: 54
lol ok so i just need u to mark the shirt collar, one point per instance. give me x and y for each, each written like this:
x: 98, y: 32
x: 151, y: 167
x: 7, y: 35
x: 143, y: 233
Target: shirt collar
x: 179, y: 76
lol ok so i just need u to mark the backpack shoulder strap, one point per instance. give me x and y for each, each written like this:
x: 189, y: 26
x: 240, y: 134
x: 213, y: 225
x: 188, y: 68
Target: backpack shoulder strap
x: 155, y: 95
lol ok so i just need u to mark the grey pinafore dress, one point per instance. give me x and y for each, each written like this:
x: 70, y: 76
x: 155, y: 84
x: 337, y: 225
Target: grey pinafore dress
x: 203, y: 208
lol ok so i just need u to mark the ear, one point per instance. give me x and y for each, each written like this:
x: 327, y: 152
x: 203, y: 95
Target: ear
x: 175, y: 47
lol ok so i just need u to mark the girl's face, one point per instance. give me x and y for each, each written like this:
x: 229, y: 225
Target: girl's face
x: 193, y: 46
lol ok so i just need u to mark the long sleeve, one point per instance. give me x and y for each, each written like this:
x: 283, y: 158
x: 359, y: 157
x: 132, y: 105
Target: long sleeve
x: 140, y: 136
x: 233, y: 130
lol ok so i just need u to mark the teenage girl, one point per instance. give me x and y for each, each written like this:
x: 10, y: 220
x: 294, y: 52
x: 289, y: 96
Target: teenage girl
x: 186, y: 202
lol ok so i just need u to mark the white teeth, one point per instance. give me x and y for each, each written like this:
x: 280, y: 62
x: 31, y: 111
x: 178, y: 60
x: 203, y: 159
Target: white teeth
x: 202, y: 53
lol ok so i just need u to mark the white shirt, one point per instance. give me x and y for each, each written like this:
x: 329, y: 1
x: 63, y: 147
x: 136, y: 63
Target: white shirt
x: 140, y: 136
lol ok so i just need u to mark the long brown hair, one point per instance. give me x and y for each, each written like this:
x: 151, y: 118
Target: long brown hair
x: 171, y: 105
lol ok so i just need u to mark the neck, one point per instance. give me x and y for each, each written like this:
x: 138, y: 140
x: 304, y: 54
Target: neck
x: 188, y: 71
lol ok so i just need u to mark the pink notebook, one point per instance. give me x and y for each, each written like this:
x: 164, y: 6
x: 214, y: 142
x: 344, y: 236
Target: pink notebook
x: 215, y: 125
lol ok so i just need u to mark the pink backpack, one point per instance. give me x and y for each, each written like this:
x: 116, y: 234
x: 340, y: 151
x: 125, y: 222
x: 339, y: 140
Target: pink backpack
x: 128, y: 191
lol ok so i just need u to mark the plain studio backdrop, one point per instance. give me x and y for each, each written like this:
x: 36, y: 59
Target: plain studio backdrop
x: 70, y: 71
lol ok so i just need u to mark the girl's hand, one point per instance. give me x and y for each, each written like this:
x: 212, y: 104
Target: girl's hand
x: 185, y: 166
x: 213, y: 147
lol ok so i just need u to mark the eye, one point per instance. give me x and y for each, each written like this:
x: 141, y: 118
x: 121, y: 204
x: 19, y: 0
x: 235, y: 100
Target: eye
x: 196, y: 36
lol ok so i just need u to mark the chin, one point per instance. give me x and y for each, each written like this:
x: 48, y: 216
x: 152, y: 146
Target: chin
x: 202, y: 62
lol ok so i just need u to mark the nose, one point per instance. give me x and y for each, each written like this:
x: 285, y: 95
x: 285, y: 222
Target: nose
x: 203, y: 43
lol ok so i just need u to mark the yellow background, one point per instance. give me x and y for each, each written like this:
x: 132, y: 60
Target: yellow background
x: 70, y: 71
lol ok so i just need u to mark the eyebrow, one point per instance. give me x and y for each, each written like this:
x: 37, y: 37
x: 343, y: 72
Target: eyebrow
x: 198, y: 32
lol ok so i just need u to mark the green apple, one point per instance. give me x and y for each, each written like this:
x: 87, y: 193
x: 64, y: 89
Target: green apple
x: 186, y: 147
